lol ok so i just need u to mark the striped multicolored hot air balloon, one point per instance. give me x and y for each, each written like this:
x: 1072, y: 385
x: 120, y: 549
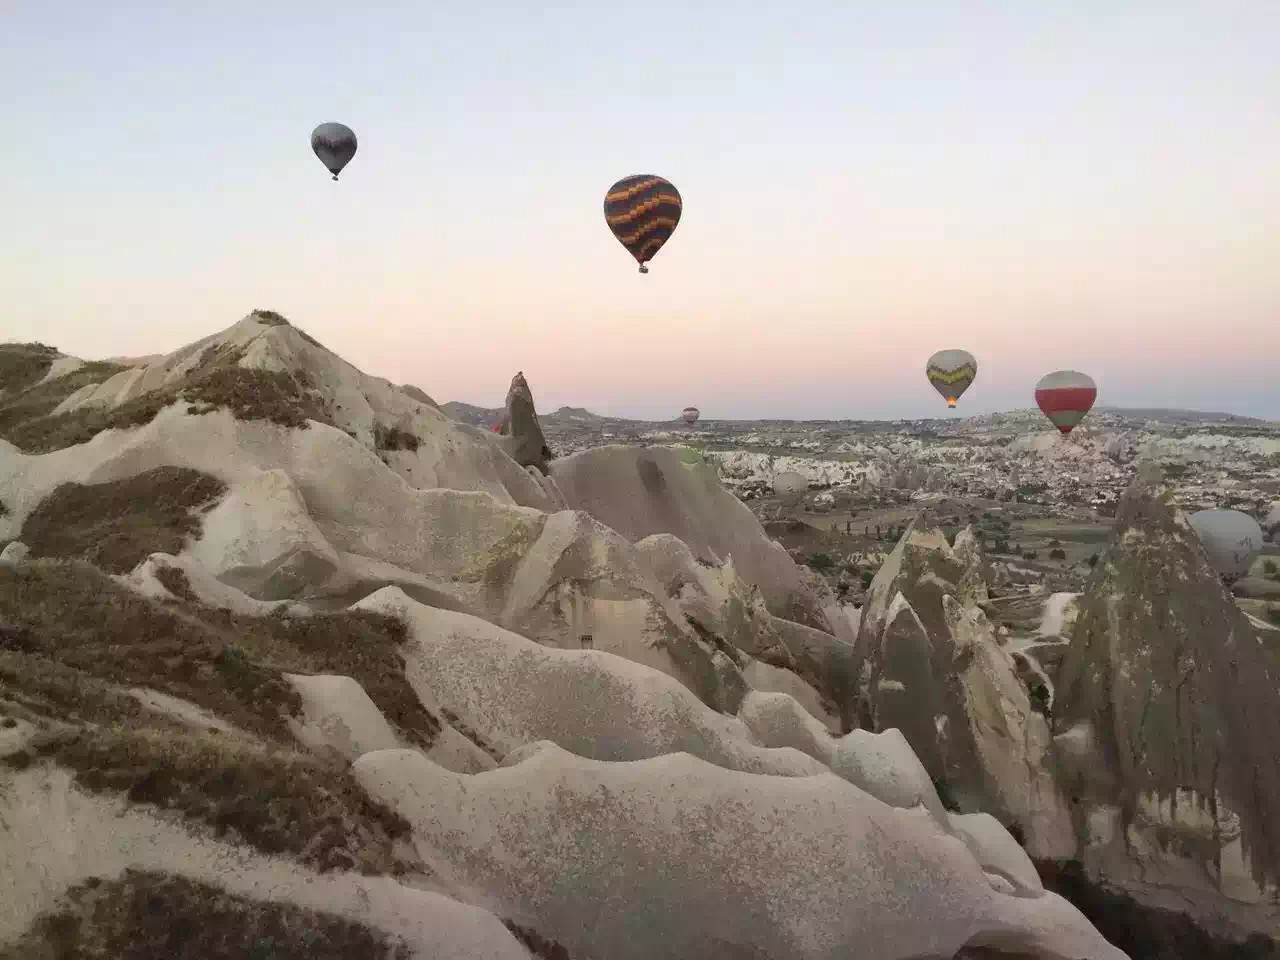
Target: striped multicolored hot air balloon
x: 690, y: 415
x: 951, y: 372
x: 1066, y: 396
x: 642, y: 211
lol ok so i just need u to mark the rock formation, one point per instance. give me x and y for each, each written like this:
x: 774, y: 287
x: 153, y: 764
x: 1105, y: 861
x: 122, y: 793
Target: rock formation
x: 1168, y: 720
x: 346, y: 655
x: 524, y: 440
x: 931, y: 666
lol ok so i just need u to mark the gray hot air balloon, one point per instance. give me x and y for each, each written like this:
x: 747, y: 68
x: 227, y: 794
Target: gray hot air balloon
x: 951, y: 372
x: 790, y: 482
x: 690, y: 415
x: 335, y: 145
x: 1231, y: 539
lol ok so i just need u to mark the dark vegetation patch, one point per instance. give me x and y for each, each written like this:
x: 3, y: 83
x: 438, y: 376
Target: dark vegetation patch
x: 37, y: 401
x: 393, y: 438
x: 4, y: 510
x: 537, y: 944
x: 354, y: 643
x: 117, y: 525
x: 175, y: 581
x: 72, y: 641
x: 225, y: 662
x: 44, y: 689
x: 147, y: 915
x: 288, y: 399
x: 48, y: 433
x: 93, y: 629
x: 276, y: 798
x: 1151, y: 933
x: 23, y: 364
x: 216, y: 381
x: 270, y: 318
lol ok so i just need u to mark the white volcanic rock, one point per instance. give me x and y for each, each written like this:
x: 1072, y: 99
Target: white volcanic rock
x: 645, y: 491
x: 449, y: 454
x: 14, y: 554
x: 777, y: 720
x: 315, y: 514
x: 56, y: 836
x: 203, y: 585
x: 671, y: 858
x: 997, y: 851
x: 514, y: 691
x: 1013, y: 742
x: 770, y: 679
x: 885, y: 766
x: 337, y: 714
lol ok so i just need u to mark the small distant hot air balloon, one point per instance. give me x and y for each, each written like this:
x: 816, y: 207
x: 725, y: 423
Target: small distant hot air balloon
x: 335, y: 145
x: 690, y: 415
x: 1066, y: 396
x: 951, y: 372
x: 790, y: 482
x: 642, y: 211
x: 1231, y: 540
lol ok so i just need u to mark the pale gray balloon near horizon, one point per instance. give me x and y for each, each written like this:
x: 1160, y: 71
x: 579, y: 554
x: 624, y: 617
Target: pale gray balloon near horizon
x: 790, y: 482
x: 690, y: 415
x: 335, y: 145
x: 951, y: 372
x: 1231, y: 540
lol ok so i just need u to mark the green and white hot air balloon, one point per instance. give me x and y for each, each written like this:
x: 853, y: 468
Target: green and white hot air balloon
x: 951, y: 372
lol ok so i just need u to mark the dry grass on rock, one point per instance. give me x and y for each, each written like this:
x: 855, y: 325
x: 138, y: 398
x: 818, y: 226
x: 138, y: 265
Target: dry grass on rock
x: 72, y: 615
x: 270, y: 318
x: 215, y: 382
x: 39, y: 400
x: 147, y: 915
x: 393, y: 438
x: 227, y: 663
x: 24, y: 364
x: 278, y: 799
x: 74, y: 642
x: 286, y: 399
x: 357, y: 643
x: 117, y: 525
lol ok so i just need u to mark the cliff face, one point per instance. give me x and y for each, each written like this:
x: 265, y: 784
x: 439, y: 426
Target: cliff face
x: 1167, y: 710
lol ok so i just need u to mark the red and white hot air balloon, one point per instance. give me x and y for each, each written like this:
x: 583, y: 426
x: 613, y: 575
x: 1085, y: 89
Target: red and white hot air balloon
x: 1066, y: 396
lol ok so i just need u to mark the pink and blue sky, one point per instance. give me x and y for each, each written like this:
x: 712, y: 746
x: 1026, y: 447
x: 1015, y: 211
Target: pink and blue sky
x: 1093, y: 185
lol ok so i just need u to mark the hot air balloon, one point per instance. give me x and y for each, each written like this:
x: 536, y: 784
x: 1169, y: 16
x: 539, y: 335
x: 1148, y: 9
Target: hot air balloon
x: 790, y: 482
x: 1066, y: 396
x: 335, y: 145
x: 690, y: 415
x: 951, y: 372
x: 642, y: 211
x: 1231, y: 540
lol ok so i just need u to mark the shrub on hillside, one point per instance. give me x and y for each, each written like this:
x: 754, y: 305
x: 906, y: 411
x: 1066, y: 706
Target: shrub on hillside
x: 117, y: 525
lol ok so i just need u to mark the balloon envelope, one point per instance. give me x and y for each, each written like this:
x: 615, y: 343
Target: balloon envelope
x: 690, y: 414
x: 1231, y: 539
x: 1065, y: 396
x: 951, y: 372
x: 642, y: 211
x: 790, y: 482
x: 335, y: 145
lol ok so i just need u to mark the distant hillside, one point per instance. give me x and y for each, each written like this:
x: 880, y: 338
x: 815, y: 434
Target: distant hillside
x: 468, y: 413
x: 575, y: 413
x: 1189, y: 416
